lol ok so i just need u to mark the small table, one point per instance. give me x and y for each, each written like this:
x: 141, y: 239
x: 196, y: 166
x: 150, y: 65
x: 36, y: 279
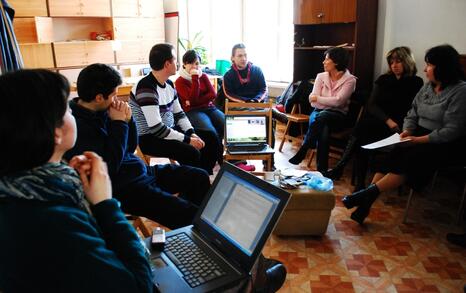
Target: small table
x: 307, y: 213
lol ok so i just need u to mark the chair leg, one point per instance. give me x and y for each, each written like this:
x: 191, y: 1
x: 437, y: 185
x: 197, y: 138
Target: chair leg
x: 434, y: 180
x: 408, y: 204
x: 288, y: 125
x: 311, y: 157
x: 138, y: 223
x: 461, y: 207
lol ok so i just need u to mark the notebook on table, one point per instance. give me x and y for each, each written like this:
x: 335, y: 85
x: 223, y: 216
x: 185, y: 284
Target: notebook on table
x: 229, y: 232
x: 246, y: 134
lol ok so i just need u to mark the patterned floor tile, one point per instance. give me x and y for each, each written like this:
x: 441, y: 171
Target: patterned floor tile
x: 383, y: 255
x: 324, y: 245
x: 393, y: 245
x: 409, y: 285
x: 330, y: 284
x: 444, y: 268
x: 292, y: 261
x: 366, y: 265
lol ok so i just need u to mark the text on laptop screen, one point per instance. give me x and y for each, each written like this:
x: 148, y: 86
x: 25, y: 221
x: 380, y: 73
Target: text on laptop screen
x: 239, y: 211
x: 246, y: 129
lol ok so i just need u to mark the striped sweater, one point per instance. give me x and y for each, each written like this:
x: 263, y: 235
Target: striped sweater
x: 157, y: 111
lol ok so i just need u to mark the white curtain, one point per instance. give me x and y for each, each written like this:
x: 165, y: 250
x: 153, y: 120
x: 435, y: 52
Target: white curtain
x: 264, y: 26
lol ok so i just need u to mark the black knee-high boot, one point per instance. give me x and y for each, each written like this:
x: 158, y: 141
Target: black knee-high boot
x: 337, y: 171
x: 364, y: 196
x: 364, y: 200
x: 300, y: 155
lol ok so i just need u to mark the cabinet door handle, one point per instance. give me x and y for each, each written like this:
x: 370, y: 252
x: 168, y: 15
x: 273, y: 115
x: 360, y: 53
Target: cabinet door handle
x: 320, y: 15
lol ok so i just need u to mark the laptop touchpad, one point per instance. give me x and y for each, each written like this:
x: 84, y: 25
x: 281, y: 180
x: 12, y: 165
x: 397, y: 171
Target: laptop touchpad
x: 158, y: 263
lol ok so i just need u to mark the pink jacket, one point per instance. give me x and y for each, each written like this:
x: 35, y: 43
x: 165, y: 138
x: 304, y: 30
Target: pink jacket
x: 336, y: 97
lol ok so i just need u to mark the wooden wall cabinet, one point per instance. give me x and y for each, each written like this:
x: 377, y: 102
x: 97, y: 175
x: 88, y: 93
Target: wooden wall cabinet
x: 313, y: 39
x: 37, y: 55
x: 95, y: 8
x: 33, y: 29
x: 137, y: 8
x: 28, y: 8
x: 137, y: 36
x: 82, y: 53
x: 324, y: 11
x: 62, y: 41
x: 126, y: 28
x: 134, y: 51
x: 150, y: 8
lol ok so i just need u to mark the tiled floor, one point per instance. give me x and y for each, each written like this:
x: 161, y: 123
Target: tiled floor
x: 384, y: 255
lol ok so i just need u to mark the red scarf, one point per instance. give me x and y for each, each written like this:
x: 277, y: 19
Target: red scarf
x: 243, y: 81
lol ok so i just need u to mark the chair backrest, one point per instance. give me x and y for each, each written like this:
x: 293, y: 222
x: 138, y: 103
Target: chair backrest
x: 254, y: 109
x: 356, y: 108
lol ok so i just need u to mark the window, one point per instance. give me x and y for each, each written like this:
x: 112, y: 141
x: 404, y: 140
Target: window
x: 264, y: 26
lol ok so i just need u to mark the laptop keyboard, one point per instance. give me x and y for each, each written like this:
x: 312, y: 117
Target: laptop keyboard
x: 252, y: 148
x: 196, y: 266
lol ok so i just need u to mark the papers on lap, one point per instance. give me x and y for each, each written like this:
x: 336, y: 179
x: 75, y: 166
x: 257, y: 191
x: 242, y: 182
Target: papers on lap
x: 391, y: 140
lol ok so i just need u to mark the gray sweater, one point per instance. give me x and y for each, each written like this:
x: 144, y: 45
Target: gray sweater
x: 443, y: 113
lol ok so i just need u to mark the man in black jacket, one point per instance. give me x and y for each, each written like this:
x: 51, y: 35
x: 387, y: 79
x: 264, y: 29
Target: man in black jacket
x: 105, y: 126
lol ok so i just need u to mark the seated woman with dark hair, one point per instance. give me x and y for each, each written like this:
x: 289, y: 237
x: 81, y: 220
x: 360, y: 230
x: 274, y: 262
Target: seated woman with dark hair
x: 435, y: 126
x: 197, y: 96
x: 61, y: 229
x: 330, y: 98
x: 388, y: 104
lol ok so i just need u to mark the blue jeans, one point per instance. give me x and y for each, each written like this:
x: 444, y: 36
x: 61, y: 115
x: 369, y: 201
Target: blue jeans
x: 321, y: 123
x: 208, y: 119
x: 209, y: 124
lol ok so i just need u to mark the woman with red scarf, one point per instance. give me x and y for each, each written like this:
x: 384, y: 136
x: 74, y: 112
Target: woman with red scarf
x: 196, y: 95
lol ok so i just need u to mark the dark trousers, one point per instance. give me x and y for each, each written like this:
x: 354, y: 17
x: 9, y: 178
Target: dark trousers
x: 321, y: 124
x: 418, y: 162
x: 368, y: 130
x: 183, y: 152
x: 180, y: 151
x: 153, y: 196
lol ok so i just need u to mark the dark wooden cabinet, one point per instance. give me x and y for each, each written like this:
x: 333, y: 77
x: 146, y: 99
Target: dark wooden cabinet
x: 320, y: 24
x: 324, y: 11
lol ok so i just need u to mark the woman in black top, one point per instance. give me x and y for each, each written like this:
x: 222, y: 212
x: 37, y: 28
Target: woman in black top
x: 391, y: 99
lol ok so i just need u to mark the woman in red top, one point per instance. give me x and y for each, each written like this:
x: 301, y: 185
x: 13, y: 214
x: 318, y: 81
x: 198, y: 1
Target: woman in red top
x: 196, y: 95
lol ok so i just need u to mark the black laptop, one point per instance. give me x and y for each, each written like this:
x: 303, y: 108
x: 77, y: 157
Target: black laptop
x: 228, y: 234
x: 246, y: 134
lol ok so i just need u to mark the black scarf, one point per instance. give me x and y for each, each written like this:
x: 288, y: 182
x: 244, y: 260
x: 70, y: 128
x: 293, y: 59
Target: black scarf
x: 51, y: 182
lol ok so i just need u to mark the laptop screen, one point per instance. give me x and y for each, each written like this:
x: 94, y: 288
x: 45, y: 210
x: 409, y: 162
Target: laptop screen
x: 239, y: 211
x: 246, y: 129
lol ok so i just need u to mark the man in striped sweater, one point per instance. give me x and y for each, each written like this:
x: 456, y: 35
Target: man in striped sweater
x: 164, y: 129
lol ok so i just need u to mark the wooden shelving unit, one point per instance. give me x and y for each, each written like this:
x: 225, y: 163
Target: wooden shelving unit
x: 320, y: 24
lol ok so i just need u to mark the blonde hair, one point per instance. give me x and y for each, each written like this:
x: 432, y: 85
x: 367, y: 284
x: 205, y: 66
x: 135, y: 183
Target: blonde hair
x: 406, y: 57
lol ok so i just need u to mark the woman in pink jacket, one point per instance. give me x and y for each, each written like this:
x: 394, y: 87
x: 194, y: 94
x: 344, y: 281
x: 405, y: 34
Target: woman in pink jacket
x: 330, y: 98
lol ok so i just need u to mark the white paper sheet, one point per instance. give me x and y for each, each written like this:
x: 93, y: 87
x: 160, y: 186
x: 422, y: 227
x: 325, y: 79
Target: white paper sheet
x: 393, y: 139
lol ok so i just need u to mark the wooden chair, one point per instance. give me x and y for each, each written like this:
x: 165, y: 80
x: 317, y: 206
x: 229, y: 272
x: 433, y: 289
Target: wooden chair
x: 458, y: 169
x: 139, y: 224
x: 254, y: 109
x: 146, y: 158
x: 294, y: 117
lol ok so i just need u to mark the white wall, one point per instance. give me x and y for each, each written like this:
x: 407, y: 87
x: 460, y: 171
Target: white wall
x: 170, y: 5
x: 420, y: 25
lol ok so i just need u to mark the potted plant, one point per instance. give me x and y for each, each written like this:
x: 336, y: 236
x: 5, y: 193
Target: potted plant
x: 195, y: 44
